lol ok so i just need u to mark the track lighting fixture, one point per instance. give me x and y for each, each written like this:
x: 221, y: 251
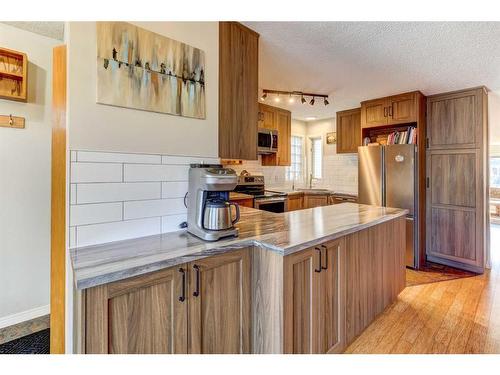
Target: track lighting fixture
x: 292, y: 95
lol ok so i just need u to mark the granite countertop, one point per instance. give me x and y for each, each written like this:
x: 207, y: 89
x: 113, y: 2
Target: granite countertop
x: 239, y: 196
x: 284, y: 233
x: 313, y: 191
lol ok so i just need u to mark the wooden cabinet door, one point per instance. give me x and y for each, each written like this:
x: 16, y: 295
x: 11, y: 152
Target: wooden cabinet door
x: 315, y: 200
x: 402, y: 109
x: 284, y: 137
x: 141, y: 315
x: 455, y: 225
x: 219, y: 305
x: 348, y: 131
x: 295, y: 202
x: 267, y: 117
x: 238, y: 91
x: 301, y: 301
x: 374, y: 113
x: 455, y: 120
x: 331, y: 299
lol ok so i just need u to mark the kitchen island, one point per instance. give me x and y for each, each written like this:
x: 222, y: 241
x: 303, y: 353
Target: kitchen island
x: 307, y: 281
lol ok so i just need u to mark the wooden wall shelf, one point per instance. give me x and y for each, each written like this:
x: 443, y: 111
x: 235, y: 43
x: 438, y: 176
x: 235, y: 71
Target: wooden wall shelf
x: 13, y: 75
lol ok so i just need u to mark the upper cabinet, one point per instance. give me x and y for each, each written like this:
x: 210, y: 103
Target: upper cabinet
x: 391, y: 110
x: 348, y: 131
x: 455, y: 119
x: 267, y: 117
x: 280, y: 120
x: 238, y: 91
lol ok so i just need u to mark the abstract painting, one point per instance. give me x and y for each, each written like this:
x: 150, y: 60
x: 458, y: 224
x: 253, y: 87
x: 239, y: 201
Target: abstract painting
x: 139, y: 69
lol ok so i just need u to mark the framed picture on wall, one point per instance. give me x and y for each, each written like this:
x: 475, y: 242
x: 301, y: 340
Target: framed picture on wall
x: 331, y: 138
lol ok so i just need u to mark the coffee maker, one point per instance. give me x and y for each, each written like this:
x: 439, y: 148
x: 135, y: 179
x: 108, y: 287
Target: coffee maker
x: 209, y: 211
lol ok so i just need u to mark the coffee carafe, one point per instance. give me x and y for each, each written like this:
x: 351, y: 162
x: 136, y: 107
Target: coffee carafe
x: 210, y: 214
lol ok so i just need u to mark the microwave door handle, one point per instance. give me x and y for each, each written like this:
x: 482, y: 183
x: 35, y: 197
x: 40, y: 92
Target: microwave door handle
x: 271, y: 143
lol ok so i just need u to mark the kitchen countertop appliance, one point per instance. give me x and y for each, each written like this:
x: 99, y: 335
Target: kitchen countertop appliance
x: 388, y: 176
x: 210, y: 216
x: 267, y: 200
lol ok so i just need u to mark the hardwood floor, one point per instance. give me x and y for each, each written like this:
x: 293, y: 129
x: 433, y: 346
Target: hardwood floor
x: 458, y: 315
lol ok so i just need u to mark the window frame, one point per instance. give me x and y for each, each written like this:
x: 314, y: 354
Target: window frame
x: 296, y: 174
x: 314, y: 173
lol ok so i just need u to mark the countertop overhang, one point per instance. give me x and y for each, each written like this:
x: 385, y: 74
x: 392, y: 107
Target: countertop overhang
x: 284, y: 233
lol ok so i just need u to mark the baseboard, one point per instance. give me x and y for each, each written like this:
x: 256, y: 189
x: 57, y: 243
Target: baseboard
x: 23, y: 316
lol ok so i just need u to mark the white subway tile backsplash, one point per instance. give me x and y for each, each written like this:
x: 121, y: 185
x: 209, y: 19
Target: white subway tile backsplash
x: 95, y: 172
x: 116, y: 157
x: 115, y: 196
x: 176, y: 189
x: 115, y: 192
x: 143, y: 172
x: 72, y: 237
x: 184, y: 160
x: 72, y: 193
x: 95, y: 213
x: 100, y: 233
x: 150, y: 208
x: 171, y: 223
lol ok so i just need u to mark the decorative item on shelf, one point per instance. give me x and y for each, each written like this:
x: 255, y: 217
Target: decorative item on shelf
x: 366, y: 141
x: 13, y: 75
x: 9, y: 121
x: 292, y: 94
x: 331, y: 138
x: 139, y: 69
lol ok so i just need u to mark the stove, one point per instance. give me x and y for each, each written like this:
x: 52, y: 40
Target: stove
x: 267, y: 200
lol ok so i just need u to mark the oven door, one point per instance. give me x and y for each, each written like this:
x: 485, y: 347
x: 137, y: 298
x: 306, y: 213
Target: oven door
x: 267, y: 141
x: 278, y: 204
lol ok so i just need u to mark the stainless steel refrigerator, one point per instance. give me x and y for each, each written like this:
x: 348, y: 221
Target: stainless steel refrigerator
x: 387, y: 177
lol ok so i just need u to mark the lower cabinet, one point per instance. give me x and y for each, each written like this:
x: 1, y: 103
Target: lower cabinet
x: 295, y: 202
x: 312, y: 300
x: 219, y: 304
x: 315, y: 200
x: 197, y: 307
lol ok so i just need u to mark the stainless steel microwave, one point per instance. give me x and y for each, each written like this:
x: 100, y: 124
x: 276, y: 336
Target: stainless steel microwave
x: 267, y: 141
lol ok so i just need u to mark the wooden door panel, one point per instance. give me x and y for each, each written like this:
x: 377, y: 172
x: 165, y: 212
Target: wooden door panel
x: 284, y: 138
x: 348, y: 131
x: 295, y: 203
x: 374, y: 113
x: 331, y: 315
x: 403, y: 109
x: 453, y: 234
x: 268, y: 117
x: 453, y: 178
x: 301, y: 302
x: 220, y: 315
x: 452, y: 122
x: 142, y: 315
x: 311, y: 201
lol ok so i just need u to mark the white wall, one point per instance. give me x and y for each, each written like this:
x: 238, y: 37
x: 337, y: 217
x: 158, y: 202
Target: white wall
x: 98, y: 127
x: 494, y: 122
x: 25, y: 186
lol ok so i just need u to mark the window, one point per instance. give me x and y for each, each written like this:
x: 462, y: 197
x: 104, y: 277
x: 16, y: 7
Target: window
x: 316, y: 157
x: 495, y: 172
x: 296, y: 166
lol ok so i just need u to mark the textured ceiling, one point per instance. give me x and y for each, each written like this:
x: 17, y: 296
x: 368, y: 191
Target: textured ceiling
x: 355, y: 61
x: 53, y: 30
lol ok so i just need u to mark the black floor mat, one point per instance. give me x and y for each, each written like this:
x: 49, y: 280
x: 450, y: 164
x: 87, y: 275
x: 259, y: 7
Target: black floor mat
x: 36, y: 343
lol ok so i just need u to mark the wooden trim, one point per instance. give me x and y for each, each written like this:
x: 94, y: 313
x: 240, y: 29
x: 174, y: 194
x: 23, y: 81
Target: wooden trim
x: 58, y: 205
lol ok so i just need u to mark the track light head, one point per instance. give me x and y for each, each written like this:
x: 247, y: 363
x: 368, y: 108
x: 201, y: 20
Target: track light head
x: 303, y: 100
x: 326, y: 101
x: 312, y: 101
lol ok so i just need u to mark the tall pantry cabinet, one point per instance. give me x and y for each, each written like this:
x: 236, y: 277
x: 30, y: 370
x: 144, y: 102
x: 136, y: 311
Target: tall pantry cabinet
x: 457, y: 179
